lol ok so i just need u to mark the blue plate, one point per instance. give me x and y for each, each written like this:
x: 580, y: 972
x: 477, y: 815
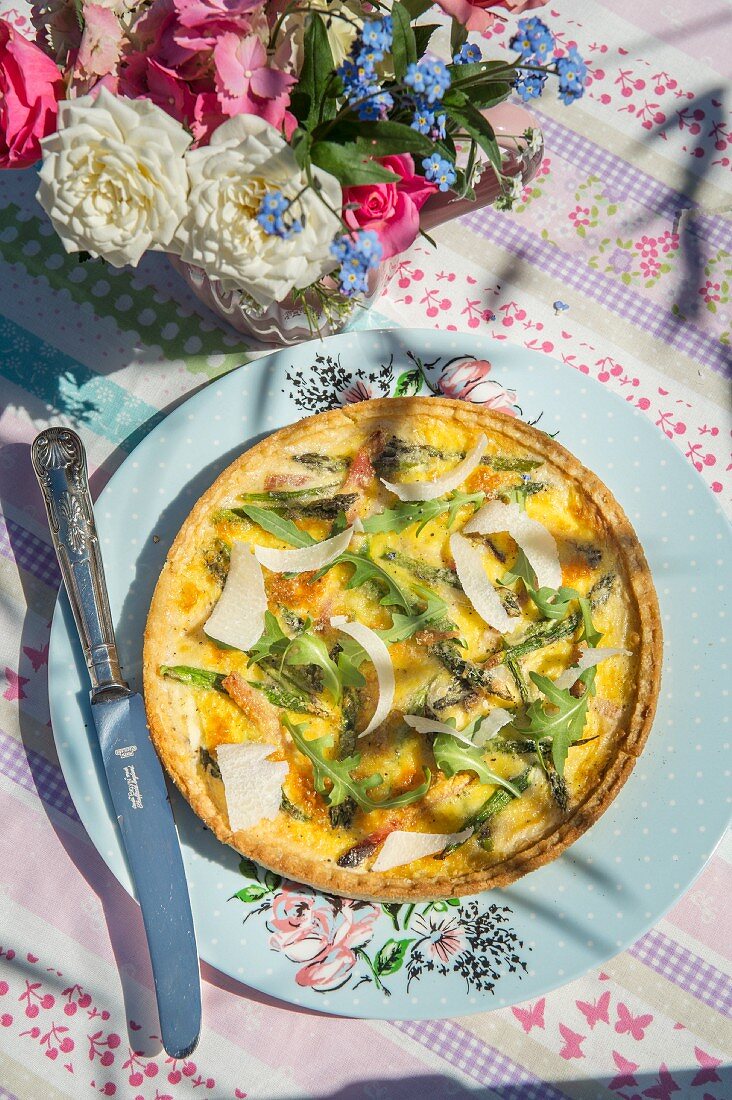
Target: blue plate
x: 450, y: 958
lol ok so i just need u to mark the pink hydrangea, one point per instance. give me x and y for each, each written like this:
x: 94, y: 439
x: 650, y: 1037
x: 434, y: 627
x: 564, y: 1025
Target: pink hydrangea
x: 204, y: 61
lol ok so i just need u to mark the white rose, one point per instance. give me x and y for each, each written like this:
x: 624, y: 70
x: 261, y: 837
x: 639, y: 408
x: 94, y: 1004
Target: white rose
x: 246, y: 158
x: 114, y: 180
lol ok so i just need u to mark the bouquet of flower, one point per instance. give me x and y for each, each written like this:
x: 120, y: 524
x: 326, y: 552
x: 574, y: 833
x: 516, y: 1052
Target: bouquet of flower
x: 279, y: 147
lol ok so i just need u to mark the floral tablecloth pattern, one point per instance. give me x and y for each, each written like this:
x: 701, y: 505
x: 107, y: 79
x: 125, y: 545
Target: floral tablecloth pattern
x: 617, y: 261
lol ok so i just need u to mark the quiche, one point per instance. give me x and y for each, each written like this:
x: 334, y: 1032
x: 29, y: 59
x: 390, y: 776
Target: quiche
x: 407, y: 649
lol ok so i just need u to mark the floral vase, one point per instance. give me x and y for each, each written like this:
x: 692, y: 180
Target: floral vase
x: 295, y: 320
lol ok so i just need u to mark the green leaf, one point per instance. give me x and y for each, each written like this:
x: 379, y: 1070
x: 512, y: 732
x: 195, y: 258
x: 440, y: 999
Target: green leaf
x: 333, y: 779
x: 248, y: 868
x: 407, y: 512
x: 272, y: 881
x: 564, y: 722
x: 404, y: 626
x: 409, y: 383
x: 348, y: 672
x: 270, y: 520
x: 309, y: 649
x: 553, y: 603
x: 458, y: 36
x: 391, y: 956
x: 348, y: 163
x: 255, y: 892
x: 478, y: 127
x: 391, y: 908
x: 300, y: 143
x: 273, y: 641
x: 422, y: 35
x: 521, y: 569
x: 317, y: 66
x: 452, y: 756
x: 488, y: 93
x: 518, y: 494
x: 404, y: 46
x: 415, y: 8
x: 194, y: 677
x: 367, y: 570
x: 379, y: 139
x: 589, y: 633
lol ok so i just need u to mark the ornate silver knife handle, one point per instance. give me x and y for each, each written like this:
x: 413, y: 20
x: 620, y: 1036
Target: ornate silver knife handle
x: 59, y: 462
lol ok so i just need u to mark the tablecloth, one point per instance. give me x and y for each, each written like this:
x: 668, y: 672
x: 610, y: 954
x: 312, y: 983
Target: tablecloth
x: 617, y: 261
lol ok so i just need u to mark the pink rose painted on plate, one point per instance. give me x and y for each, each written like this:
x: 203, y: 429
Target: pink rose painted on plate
x: 466, y: 379
x: 320, y: 932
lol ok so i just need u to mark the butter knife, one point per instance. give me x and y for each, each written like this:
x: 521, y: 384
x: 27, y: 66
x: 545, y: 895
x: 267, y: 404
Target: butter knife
x: 134, y: 774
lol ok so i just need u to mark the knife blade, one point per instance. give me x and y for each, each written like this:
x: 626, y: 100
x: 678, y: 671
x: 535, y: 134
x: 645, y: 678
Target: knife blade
x: 134, y: 775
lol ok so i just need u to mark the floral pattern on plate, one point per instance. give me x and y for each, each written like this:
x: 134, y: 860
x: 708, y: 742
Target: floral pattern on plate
x: 335, y: 942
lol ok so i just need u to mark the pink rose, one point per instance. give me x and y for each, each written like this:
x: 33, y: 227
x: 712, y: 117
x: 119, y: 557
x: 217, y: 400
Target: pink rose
x: 30, y: 87
x: 302, y: 924
x: 475, y: 16
x: 466, y: 379
x: 331, y: 970
x: 390, y: 209
x: 309, y: 928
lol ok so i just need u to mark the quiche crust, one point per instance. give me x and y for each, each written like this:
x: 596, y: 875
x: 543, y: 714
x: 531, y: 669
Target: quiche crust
x: 286, y: 846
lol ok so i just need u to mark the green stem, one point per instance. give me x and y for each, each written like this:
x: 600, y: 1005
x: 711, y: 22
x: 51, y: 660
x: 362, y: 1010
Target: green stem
x: 377, y: 981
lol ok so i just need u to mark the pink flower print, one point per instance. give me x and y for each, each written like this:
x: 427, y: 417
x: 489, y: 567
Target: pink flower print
x: 627, y: 1023
x: 580, y: 216
x: 323, y: 934
x: 466, y: 379
x: 443, y: 935
x: 14, y: 690
x: 330, y: 971
x: 710, y: 291
x: 650, y: 268
x: 647, y: 246
x: 301, y: 924
x: 359, y: 391
x: 669, y: 241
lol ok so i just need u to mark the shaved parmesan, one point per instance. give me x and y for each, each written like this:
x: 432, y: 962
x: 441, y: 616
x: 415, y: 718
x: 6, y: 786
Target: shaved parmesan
x: 431, y: 490
x: 305, y: 558
x: 238, y: 617
x: 252, y: 783
x: 402, y: 847
x: 476, y: 586
x: 380, y: 659
x: 492, y: 722
x: 536, y: 542
x: 358, y: 526
x: 589, y: 659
